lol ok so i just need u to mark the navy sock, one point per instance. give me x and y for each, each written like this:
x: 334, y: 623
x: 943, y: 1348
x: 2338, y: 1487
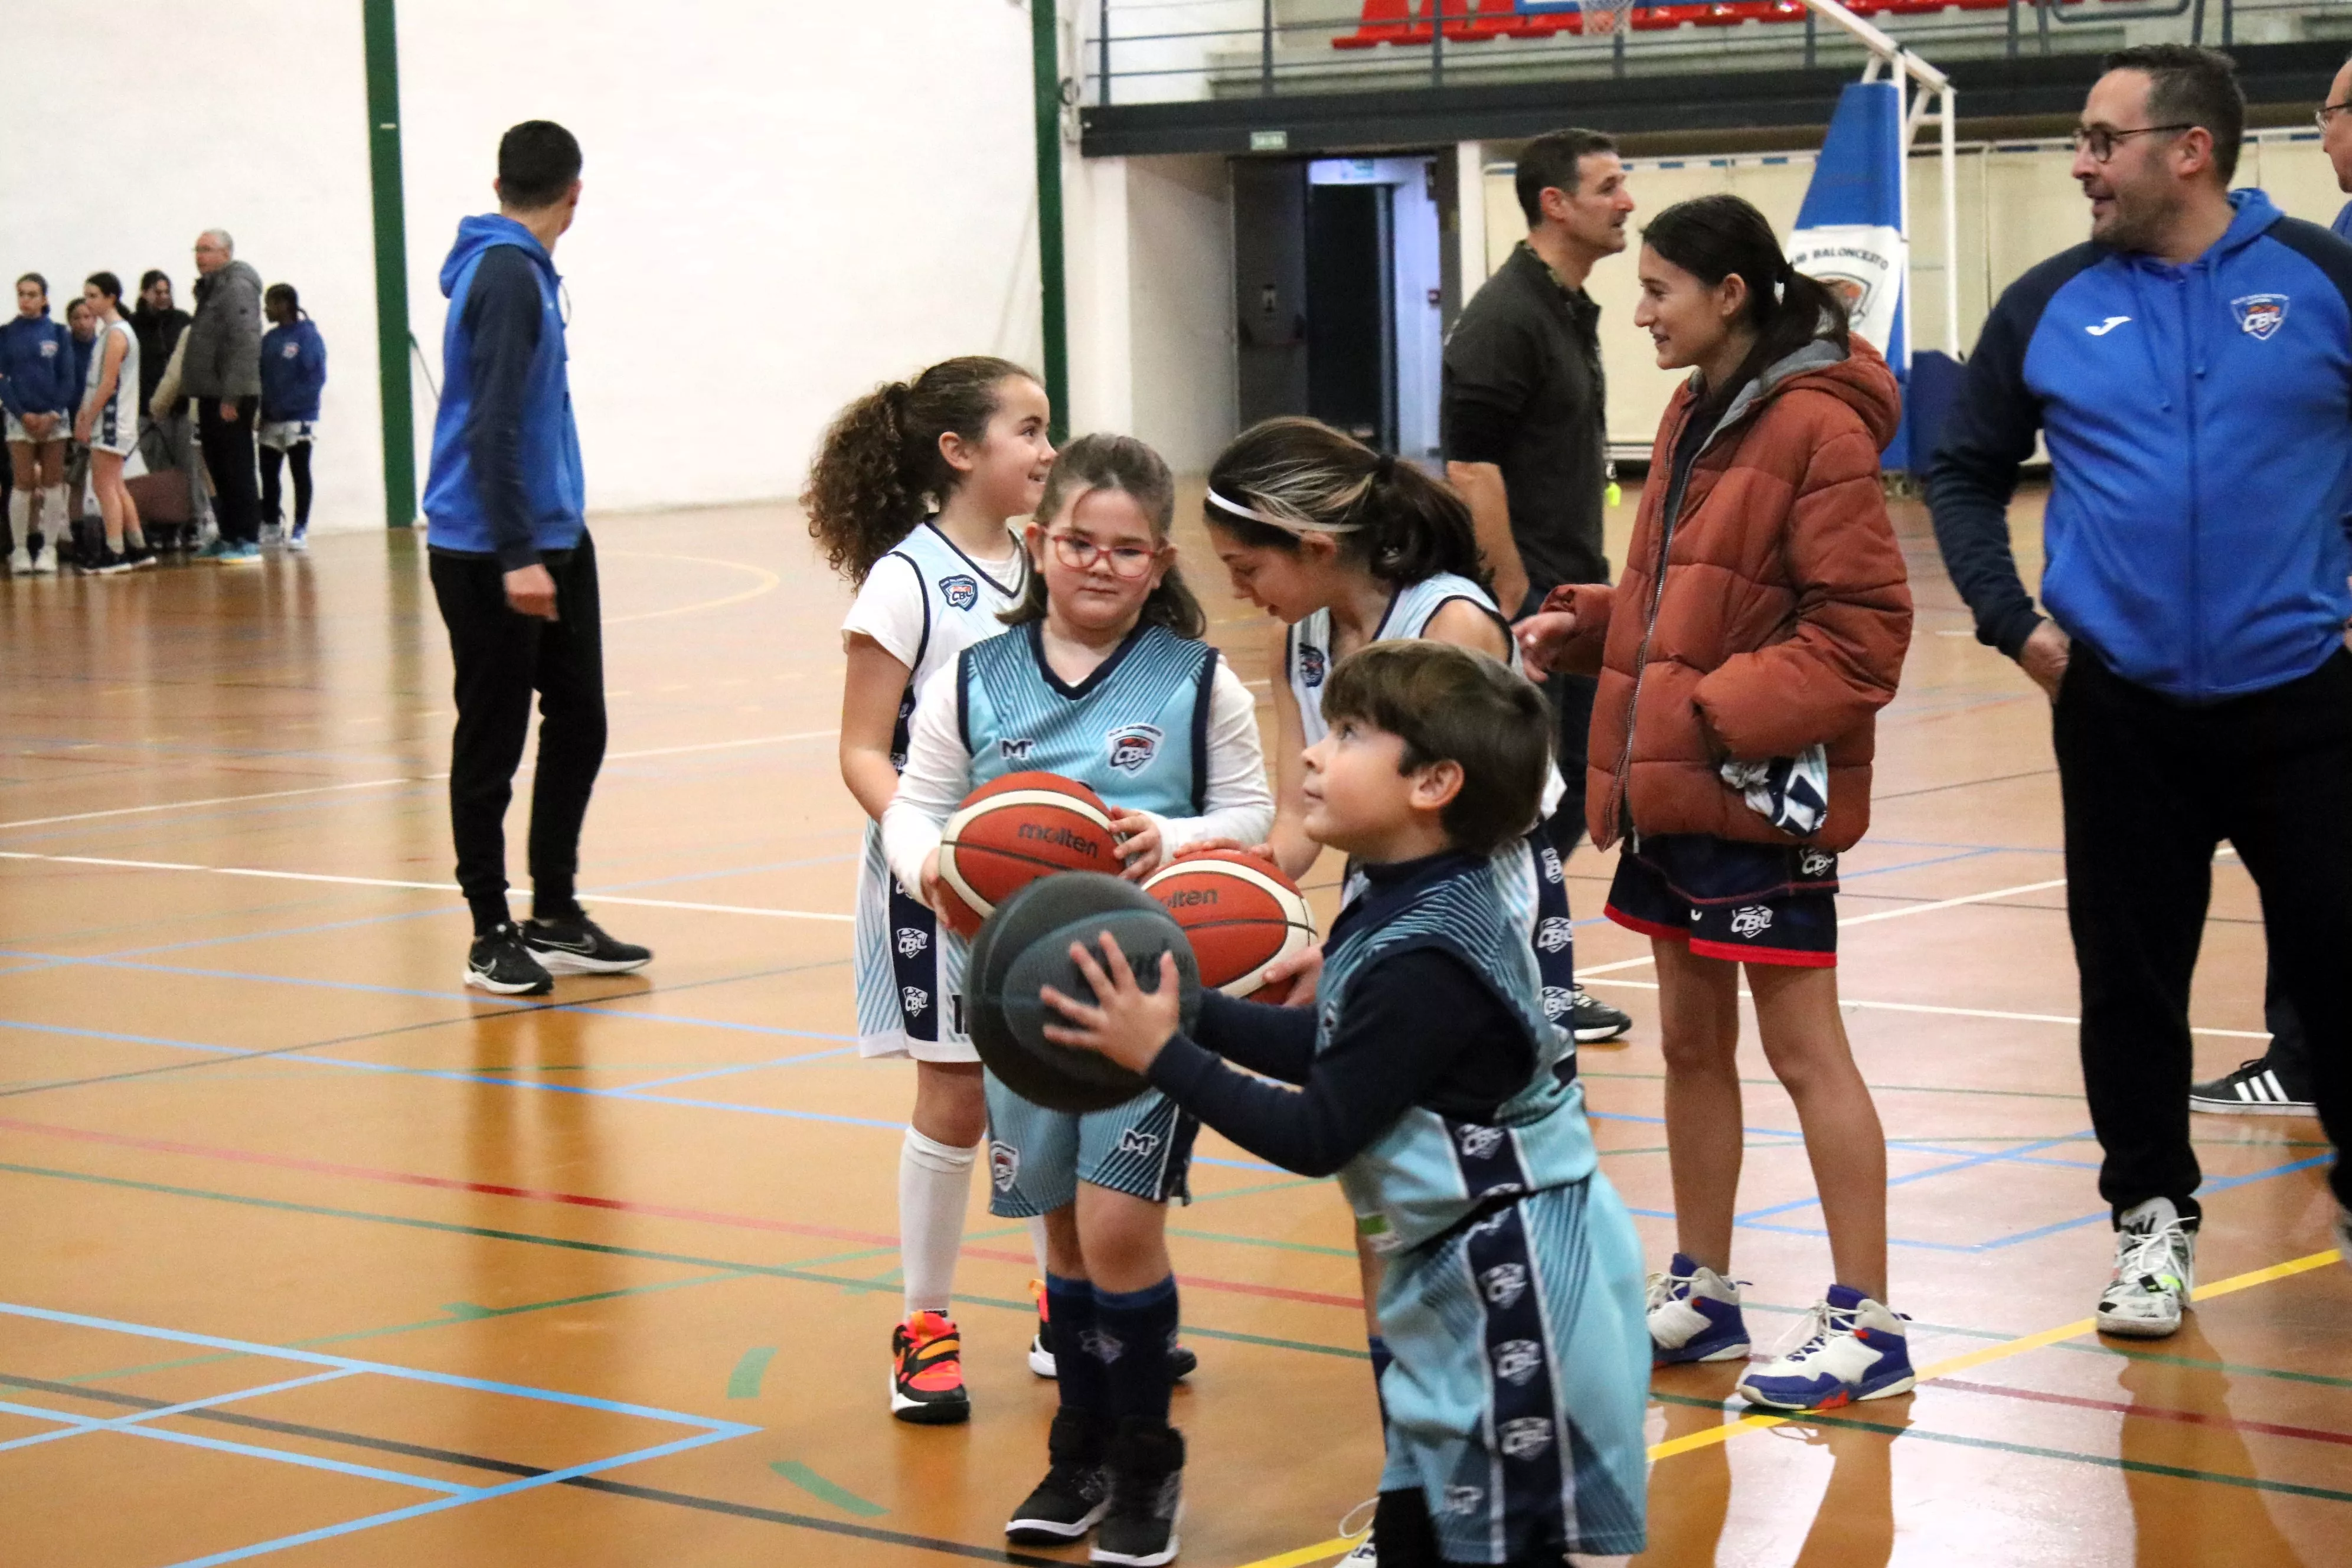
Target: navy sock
x: 1137, y: 1328
x: 1380, y: 1358
x: 1085, y: 1382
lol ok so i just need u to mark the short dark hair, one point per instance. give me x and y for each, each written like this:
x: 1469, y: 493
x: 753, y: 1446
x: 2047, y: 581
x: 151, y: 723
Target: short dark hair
x: 1554, y: 162
x: 538, y: 160
x: 1121, y: 463
x: 2190, y: 85
x: 106, y: 283
x: 1450, y: 705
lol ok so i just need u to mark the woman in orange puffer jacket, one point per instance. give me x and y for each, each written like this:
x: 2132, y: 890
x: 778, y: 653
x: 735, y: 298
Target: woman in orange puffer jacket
x: 1759, y: 626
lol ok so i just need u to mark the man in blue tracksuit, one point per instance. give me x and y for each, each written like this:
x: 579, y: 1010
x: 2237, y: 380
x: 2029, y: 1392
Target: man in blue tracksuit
x: 514, y: 572
x: 2190, y: 370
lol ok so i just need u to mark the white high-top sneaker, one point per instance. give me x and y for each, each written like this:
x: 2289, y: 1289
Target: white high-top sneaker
x: 1695, y: 1316
x: 2155, y: 1272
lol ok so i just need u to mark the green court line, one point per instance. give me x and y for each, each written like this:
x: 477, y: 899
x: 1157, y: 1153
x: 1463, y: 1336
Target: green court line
x: 1262, y: 1241
x: 2235, y: 1369
x: 743, y: 1383
x: 2105, y: 1461
x: 1025, y: 1306
x: 823, y: 1491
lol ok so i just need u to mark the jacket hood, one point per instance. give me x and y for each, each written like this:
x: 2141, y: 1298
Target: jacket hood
x: 477, y: 235
x: 2255, y: 217
x: 241, y: 270
x: 1857, y: 376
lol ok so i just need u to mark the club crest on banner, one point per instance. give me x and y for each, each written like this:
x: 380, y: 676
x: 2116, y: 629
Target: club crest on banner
x: 1862, y: 265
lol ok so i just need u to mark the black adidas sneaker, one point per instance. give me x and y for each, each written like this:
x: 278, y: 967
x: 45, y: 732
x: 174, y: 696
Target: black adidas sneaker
x: 578, y: 945
x: 501, y: 962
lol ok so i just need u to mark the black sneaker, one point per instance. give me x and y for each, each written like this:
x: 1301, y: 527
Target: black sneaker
x: 106, y: 562
x: 1596, y: 1020
x: 138, y: 556
x: 1076, y: 1492
x: 1181, y: 1363
x: 2256, y: 1088
x: 1147, y: 1495
x: 501, y: 962
x: 579, y: 946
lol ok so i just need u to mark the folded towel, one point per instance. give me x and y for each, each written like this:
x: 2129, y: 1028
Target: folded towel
x: 1792, y: 794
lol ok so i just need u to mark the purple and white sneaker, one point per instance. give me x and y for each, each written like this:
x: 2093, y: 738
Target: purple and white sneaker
x: 1854, y: 1349
x: 1695, y: 1316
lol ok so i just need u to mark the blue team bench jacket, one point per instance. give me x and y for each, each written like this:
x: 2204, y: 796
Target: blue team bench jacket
x: 36, y: 369
x: 504, y: 479
x: 293, y: 372
x: 2199, y: 421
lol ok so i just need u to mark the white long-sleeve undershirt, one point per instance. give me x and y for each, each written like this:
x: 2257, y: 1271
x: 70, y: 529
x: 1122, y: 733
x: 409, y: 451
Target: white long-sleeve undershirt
x: 937, y: 775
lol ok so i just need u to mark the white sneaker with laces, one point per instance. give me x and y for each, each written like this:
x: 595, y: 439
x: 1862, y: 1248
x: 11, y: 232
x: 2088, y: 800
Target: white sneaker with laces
x: 1694, y: 1316
x: 20, y: 561
x: 1365, y: 1553
x: 2155, y: 1272
x: 1853, y: 1348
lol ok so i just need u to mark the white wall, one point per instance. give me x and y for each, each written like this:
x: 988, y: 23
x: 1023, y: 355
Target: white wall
x: 785, y: 203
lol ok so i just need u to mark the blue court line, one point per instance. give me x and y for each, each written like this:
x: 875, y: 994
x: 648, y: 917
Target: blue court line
x: 250, y: 1450
x: 2210, y: 1185
x: 1970, y: 1163
x: 1914, y: 1145
x: 745, y: 1066
x: 116, y: 1423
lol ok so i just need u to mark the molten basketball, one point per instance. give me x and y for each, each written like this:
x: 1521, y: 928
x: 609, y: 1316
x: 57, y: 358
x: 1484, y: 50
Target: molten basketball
x: 1240, y: 912
x: 1011, y: 831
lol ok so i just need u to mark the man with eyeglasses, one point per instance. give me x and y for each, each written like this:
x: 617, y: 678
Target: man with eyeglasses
x: 2335, y: 140
x: 2191, y: 371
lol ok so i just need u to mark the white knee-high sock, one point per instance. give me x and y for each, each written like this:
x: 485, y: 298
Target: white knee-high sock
x: 20, y: 519
x: 1037, y: 1241
x: 934, y: 1186
x: 55, y: 522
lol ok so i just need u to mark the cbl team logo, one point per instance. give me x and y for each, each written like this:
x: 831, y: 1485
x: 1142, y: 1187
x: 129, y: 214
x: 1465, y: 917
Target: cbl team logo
x: 1478, y: 1142
x: 1751, y: 920
x: 1310, y: 666
x: 1556, y: 1001
x: 1814, y: 862
x: 1550, y: 860
x: 1525, y: 1438
x: 914, y: 1000
x: 1504, y: 1284
x: 1135, y: 1140
x: 912, y: 940
x: 1555, y: 934
x: 2260, y: 315
x: 959, y: 592
x: 1462, y: 1501
x: 1132, y: 746
x: 1003, y: 1165
x: 1517, y: 1362
x: 1015, y: 750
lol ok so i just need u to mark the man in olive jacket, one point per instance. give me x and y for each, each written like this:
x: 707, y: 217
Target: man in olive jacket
x: 221, y: 373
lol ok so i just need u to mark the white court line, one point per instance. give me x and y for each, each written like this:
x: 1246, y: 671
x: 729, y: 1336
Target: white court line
x: 1964, y: 1011
x: 412, y: 887
x: 1876, y: 915
x: 415, y: 778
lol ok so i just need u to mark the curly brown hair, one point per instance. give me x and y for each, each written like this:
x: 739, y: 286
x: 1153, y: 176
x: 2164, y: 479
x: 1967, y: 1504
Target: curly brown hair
x: 879, y: 471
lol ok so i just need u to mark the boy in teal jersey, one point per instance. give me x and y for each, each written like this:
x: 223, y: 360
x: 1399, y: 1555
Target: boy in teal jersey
x: 1450, y: 1110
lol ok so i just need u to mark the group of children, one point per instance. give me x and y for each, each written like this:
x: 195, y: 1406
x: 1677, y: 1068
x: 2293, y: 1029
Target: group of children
x: 1510, y: 1327
x: 73, y: 395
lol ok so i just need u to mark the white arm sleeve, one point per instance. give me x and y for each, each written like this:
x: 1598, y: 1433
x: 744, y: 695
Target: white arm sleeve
x: 937, y: 777
x: 1239, y: 805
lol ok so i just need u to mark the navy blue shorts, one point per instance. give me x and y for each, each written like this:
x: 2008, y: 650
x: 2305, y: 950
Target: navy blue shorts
x: 1749, y: 903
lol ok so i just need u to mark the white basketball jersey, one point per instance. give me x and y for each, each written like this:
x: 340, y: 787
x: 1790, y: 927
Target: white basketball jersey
x: 1308, y: 657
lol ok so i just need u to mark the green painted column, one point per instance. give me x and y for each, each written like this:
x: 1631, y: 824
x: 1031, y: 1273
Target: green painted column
x: 1045, y: 66
x: 391, y: 263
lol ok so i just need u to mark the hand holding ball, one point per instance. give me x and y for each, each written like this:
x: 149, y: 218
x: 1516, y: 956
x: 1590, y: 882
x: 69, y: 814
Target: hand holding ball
x: 1011, y: 831
x: 1241, y: 914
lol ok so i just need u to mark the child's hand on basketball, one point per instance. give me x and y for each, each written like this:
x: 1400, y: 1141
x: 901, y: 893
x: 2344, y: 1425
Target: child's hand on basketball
x: 1124, y: 1022
x: 1305, y: 968
x: 930, y: 889
x: 1543, y: 639
x: 1140, y: 843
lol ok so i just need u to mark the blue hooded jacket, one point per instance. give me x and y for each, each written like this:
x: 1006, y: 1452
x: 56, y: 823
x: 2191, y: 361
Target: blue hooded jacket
x: 505, y: 479
x: 2199, y: 421
x: 293, y: 370
x: 36, y: 369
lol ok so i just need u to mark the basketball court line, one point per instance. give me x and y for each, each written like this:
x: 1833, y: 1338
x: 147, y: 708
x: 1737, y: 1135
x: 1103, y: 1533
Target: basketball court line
x: 1958, y: 1012
x: 1690, y: 1442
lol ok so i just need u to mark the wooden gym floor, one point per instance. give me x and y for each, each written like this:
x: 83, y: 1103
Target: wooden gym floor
x: 306, y: 1251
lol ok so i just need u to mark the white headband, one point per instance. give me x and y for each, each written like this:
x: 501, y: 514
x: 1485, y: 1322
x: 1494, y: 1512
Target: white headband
x: 1288, y: 525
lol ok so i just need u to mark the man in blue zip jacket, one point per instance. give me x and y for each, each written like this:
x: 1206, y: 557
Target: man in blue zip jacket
x: 2190, y: 370
x: 514, y: 572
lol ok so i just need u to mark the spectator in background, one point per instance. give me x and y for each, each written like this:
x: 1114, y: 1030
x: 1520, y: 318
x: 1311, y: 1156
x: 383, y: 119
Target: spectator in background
x: 81, y: 340
x: 168, y: 437
x: 293, y: 372
x: 222, y: 371
x: 39, y: 393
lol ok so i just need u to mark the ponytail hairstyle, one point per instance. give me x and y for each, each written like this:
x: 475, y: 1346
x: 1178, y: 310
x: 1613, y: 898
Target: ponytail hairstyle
x: 879, y: 471
x: 1712, y: 238
x: 1121, y: 463
x: 277, y: 292
x: 1285, y: 477
x: 107, y: 284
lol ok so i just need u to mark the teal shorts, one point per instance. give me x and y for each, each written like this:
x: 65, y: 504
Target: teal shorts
x: 1036, y: 1157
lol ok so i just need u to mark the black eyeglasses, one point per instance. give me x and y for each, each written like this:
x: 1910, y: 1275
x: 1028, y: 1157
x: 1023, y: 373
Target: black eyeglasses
x: 2328, y: 111
x: 2100, y: 142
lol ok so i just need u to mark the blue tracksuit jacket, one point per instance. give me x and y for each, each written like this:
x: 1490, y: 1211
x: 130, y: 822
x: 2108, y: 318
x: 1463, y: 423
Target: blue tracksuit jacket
x: 36, y: 368
x: 2199, y: 421
x: 293, y: 370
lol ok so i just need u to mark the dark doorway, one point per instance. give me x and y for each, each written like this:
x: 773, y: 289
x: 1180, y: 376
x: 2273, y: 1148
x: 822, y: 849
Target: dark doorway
x: 1350, y: 328
x: 1270, y: 286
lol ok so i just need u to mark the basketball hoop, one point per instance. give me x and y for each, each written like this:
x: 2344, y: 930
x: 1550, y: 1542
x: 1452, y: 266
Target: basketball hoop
x: 1604, y: 17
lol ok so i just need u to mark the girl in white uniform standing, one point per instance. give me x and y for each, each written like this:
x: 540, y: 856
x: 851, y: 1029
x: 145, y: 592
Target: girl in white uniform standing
x: 910, y: 498
x: 108, y: 425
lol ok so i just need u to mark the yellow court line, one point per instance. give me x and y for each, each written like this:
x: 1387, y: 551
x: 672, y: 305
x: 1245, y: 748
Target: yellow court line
x: 769, y: 583
x: 1963, y: 1362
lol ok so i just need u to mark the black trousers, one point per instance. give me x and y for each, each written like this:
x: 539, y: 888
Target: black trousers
x: 502, y: 657
x: 2151, y: 787
x: 298, y: 458
x: 229, y: 457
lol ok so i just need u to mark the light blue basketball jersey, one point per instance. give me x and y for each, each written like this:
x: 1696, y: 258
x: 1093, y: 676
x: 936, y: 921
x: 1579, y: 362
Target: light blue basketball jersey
x: 1135, y: 731
x: 1429, y: 1172
x: 1306, y: 651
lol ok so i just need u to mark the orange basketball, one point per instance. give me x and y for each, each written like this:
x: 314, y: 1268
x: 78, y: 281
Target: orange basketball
x: 1011, y: 831
x: 1240, y: 912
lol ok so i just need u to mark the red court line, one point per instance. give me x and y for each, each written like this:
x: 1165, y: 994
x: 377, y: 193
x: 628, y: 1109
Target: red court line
x: 2151, y: 1412
x: 618, y: 1205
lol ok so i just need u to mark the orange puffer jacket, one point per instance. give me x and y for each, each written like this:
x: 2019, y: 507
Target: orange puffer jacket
x: 1766, y: 612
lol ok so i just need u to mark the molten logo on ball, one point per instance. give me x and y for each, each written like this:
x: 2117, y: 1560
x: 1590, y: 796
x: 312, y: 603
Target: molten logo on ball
x: 1060, y: 837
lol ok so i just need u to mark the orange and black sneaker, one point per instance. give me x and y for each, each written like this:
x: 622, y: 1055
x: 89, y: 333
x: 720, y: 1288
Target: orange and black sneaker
x: 926, y: 1371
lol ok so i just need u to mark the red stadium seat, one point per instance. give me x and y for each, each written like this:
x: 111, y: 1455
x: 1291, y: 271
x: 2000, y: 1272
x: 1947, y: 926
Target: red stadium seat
x: 1731, y: 13
x: 1661, y: 18
x: 1385, y: 21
